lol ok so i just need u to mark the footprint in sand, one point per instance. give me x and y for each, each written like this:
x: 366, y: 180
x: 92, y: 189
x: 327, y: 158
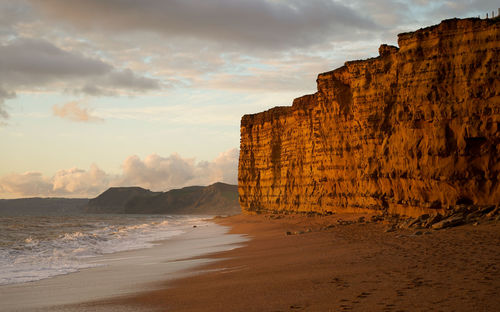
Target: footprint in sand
x: 339, y: 282
x: 364, y: 295
x: 346, y: 307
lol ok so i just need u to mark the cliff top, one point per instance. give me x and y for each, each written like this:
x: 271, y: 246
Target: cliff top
x: 451, y: 23
x: 404, y: 40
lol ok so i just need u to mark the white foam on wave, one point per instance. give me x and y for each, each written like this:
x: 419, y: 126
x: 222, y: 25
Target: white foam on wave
x: 70, y: 252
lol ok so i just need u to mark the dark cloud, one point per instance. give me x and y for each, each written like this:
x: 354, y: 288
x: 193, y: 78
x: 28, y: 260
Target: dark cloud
x: 36, y: 63
x: 93, y: 90
x: 27, y: 61
x: 116, y: 80
x: 33, y: 61
x: 13, y: 12
x: 128, y: 79
x: 260, y: 23
x: 4, y: 95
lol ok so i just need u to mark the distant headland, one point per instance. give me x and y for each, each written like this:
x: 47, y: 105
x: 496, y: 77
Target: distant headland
x: 215, y: 199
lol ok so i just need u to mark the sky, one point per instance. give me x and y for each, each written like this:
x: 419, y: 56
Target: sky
x: 150, y: 93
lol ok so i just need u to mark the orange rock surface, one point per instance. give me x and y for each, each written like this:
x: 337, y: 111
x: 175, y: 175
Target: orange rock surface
x: 414, y: 130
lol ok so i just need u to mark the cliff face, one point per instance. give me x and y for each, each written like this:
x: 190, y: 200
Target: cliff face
x: 412, y: 130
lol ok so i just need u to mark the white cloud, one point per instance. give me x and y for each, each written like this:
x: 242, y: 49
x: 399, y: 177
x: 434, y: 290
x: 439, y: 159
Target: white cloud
x: 162, y: 173
x: 225, y: 167
x: 29, y: 183
x: 80, y: 182
x: 153, y: 172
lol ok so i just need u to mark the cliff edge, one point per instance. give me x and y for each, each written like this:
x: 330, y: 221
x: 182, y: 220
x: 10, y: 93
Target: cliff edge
x: 414, y: 130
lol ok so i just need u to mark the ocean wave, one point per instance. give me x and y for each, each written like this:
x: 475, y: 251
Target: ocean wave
x: 50, y: 253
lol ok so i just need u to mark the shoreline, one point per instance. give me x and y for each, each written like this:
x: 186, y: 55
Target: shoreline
x: 123, y: 273
x: 310, y: 263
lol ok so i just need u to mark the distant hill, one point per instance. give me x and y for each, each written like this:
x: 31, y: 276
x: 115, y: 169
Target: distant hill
x: 42, y: 206
x: 216, y: 199
x: 114, y: 199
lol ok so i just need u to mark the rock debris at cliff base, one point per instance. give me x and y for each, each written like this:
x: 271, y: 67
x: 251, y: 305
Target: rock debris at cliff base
x: 415, y: 130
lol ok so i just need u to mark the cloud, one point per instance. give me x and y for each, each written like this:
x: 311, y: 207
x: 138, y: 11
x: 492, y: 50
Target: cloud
x: 258, y: 23
x: 73, y: 182
x: 153, y: 172
x: 128, y: 80
x: 11, y: 13
x: 4, y: 95
x: 29, y: 183
x: 35, y: 63
x: 157, y: 172
x: 73, y: 111
x: 458, y: 8
x: 80, y: 182
x: 225, y: 167
x: 161, y: 173
x: 93, y: 90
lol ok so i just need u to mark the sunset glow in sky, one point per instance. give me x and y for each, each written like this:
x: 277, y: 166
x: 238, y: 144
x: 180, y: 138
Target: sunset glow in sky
x: 100, y: 93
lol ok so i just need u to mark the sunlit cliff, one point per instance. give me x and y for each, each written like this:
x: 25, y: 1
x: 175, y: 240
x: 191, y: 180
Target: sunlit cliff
x: 415, y: 129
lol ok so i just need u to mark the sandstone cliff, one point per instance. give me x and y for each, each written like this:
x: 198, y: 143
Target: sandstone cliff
x: 414, y: 130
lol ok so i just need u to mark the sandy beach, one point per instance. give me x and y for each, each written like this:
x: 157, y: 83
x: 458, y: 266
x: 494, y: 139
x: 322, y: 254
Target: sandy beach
x: 300, y: 263
x: 290, y: 263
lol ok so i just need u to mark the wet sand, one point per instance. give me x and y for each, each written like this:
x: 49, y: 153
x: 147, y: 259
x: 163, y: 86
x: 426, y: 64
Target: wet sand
x: 300, y: 263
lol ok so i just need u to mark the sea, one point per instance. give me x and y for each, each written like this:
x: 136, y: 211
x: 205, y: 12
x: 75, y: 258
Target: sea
x: 35, y: 247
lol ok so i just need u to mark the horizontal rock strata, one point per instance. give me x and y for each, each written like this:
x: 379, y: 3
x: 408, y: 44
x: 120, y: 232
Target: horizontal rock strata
x: 414, y: 130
